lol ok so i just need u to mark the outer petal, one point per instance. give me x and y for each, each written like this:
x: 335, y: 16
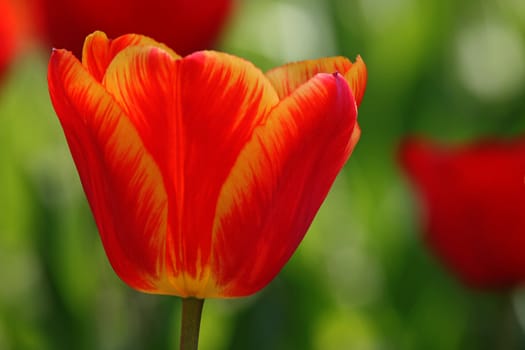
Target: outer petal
x: 289, y: 77
x: 99, y: 51
x: 278, y: 183
x: 474, y: 199
x: 194, y: 115
x: 122, y: 182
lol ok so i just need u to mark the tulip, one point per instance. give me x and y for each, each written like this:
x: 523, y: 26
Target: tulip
x: 184, y: 25
x: 203, y: 174
x: 9, y: 32
x: 473, y: 199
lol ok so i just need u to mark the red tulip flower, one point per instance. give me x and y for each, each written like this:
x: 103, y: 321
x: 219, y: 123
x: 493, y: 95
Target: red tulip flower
x: 474, y: 207
x: 9, y: 33
x: 203, y: 173
x: 184, y: 25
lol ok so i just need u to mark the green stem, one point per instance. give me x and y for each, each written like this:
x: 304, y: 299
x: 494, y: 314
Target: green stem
x: 191, y: 321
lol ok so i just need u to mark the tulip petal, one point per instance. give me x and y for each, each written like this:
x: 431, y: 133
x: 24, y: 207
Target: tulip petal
x: 289, y: 77
x: 357, y: 77
x: 122, y: 182
x: 194, y: 116
x: 99, y: 51
x: 279, y: 182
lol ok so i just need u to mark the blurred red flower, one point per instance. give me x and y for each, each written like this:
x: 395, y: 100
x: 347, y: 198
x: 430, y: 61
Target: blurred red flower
x: 203, y: 173
x: 10, y: 33
x: 183, y: 25
x: 473, y: 202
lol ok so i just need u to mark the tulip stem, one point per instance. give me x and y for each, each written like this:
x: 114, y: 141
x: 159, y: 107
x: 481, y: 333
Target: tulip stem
x: 191, y: 321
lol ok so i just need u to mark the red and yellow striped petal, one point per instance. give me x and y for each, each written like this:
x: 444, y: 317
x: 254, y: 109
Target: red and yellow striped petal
x: 99, y: 51
x: 289, y: 77
x: 279, y: 182
x: 357, y: 77
x: 122, y: 182
x: 221, y: 99
x: 194, y: 116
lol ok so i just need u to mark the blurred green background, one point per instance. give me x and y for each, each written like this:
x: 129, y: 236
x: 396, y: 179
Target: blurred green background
x: 362, y: 278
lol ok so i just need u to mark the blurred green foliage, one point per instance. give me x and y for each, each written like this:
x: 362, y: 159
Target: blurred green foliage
x: 362, y: 278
